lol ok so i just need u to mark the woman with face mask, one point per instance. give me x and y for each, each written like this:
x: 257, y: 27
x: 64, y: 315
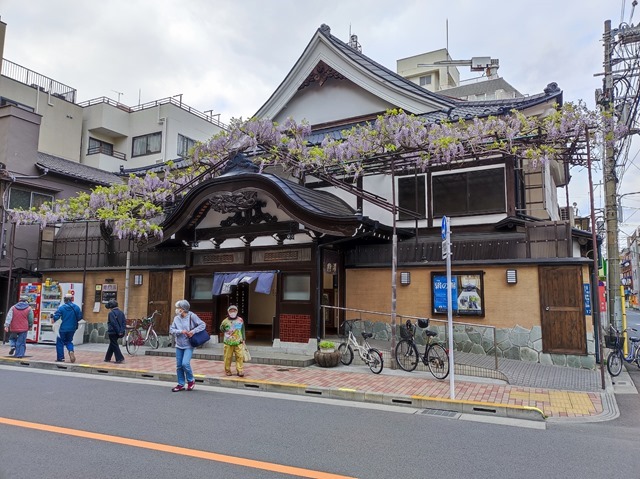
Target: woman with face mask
x: 233, y: 329
x: 185, y: 324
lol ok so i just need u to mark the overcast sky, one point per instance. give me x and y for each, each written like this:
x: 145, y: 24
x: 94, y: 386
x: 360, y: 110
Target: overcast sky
x: 230, y: 55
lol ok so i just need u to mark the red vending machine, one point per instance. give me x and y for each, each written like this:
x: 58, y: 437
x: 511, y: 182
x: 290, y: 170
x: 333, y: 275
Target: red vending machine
x: 33, y: 291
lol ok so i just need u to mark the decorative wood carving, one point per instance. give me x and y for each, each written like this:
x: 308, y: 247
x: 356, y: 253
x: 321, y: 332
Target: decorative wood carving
x: 251, y: 216
x: 229, y: 202
x: 321, y: 73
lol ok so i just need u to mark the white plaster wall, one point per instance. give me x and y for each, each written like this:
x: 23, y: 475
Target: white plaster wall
x: 334, y: 100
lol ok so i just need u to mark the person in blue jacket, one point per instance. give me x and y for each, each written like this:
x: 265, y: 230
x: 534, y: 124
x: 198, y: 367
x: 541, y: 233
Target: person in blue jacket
x: 116, y: 326
x: 70, y: 314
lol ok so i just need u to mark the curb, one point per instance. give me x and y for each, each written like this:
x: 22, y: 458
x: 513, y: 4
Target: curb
x: 419, y: 402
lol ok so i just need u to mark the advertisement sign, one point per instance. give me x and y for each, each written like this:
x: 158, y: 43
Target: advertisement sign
x: 466, y: 293
x: 587, y: 298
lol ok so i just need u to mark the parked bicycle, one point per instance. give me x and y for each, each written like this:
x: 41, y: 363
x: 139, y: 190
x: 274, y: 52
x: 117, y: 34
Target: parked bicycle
x: 135, y: 337
x: 435, y: 357
x: 616, y: 357
x: 371, y: 356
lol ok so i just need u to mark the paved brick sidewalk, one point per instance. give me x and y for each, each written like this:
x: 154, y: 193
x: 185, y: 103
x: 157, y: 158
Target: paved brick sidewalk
x: 553, y: 402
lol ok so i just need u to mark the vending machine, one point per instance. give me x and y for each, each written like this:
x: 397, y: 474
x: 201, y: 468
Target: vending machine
x: 52, y: 296
x: 33, y: 292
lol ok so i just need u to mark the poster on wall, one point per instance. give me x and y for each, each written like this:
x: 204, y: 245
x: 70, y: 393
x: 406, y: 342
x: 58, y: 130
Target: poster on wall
x: 467, y: 293
x: 109, y: 291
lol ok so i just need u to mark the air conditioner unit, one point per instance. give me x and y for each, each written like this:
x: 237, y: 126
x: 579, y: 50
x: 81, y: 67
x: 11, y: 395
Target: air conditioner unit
x: 566, y: 214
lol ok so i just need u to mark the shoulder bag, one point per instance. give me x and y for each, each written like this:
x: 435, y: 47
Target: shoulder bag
x: 246, y: 355
x: 199, y: 338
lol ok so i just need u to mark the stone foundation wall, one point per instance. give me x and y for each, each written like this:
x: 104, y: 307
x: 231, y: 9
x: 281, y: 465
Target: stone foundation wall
x: 512, y: 343
x: 97, y: 333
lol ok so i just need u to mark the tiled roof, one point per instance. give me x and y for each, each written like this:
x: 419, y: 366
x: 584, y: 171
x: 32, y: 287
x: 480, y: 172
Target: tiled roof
x: 75, y: 170
x: 383, y: 72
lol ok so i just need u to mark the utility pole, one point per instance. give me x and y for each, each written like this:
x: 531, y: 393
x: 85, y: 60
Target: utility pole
x: 610, y: 187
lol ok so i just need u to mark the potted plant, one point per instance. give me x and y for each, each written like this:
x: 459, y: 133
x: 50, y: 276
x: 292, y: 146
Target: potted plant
x: 326, y: 356
x: 327, y: 346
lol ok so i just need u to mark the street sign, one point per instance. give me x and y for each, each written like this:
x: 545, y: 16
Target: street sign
x: 445, y: 249
x: 445, y: 220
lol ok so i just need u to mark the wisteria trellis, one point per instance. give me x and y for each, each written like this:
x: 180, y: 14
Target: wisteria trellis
x: 133, y: 209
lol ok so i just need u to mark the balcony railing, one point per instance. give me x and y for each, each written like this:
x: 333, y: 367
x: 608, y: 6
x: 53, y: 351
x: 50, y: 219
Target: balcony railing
x: 152, y: 104
x: 37, y: 80
x: 96, y: 150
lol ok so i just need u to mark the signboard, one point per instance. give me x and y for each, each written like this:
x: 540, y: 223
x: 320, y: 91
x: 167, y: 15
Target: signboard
x: 467, y: 297
x: 587, y: 298
x: 109, y: 291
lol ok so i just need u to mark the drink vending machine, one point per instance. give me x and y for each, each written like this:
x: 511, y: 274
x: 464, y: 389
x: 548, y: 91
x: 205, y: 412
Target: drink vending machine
x: 44, y: 299
x: 32, y: 291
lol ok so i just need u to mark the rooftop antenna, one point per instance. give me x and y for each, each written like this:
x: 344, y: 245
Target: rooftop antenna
x: 119, y: 93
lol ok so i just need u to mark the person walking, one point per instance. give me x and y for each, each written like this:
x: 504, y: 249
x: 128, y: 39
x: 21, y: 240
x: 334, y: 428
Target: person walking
x: 233, y: 328
x: 70, y: 314
x: 18, y: 322
x: 185, y: 324
x: 116, y: 327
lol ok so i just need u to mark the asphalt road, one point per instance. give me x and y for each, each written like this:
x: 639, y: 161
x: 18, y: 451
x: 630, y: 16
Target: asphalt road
x: 326, y: 436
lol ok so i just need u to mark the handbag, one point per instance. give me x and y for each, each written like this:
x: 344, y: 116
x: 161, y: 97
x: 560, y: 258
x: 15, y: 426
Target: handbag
x: 199, y: 338
x: 246, y: 355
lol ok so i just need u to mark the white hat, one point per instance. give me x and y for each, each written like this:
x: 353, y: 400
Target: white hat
x: 233, y: 307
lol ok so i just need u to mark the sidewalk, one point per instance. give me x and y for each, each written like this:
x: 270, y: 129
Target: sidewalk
x: 536, y: 392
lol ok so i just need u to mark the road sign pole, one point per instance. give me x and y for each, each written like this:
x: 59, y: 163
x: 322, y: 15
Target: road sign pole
x: 446, y: 251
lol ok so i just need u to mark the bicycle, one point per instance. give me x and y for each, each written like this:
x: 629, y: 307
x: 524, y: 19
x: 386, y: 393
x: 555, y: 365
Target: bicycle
x: 371, y: 356
x: 615, y: 357
x: 135, y: 338
x: 435, y: 357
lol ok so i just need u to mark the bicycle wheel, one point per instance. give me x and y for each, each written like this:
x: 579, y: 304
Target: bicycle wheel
x: 346, y: 354
x: 438, y: 361
x: 132, y: 342
x: 407, y: 355
x: 614, y: 363
x: 153, y: 340
x: 375, y: 361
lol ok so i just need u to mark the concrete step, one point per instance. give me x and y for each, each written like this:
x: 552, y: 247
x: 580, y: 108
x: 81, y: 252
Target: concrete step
x: 259, y: 355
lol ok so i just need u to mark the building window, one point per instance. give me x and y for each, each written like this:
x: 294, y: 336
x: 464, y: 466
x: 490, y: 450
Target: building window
x: 23, y: 199
x: 425, y: 80
x: 147, y: 144
x: 184, y: 145
x: 296, y: 287
x: 412, y: 196
x: 469, y: 193
x: 99, y: 146
x: 201, y: 287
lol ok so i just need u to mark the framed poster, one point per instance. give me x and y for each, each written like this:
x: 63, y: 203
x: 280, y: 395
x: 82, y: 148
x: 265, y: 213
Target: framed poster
x: 109, y: 291
x: 467, y: 293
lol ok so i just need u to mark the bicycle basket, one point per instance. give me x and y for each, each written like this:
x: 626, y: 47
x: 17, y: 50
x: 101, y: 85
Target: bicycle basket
x: 407, y: 333
x: 610, y: 342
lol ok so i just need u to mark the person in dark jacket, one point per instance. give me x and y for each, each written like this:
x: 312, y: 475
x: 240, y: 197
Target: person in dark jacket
x: 18, y: 322
x: 70, y: 314
x: 116, y: 327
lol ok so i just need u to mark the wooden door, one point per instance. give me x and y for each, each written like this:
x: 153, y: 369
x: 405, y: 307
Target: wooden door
x: 562, y: 312
x: 160, y: 299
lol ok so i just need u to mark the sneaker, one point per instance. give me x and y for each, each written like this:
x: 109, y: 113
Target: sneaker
x: 179, y: 387
x: 241, y: 375
x: 191, y: 386
x: 228, y: 373
x: 11, y: 351
x: 72, y: 356
x: 120, y: 362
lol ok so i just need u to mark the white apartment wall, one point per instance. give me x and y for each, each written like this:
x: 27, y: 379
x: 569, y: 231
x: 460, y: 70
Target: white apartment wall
x: 61, y: 125
x: 334, y: 100
x: 409, y: 69
x: 117, y: 126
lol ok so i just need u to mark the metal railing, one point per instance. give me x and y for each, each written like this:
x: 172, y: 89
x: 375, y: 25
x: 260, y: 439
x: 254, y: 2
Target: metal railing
x: 94, y: 150
x: 152, y: 104
x: 471, y: 360
x: 37, y: 80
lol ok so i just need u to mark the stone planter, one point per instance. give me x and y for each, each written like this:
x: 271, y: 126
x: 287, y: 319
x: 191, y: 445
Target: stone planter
x: 327, y: 360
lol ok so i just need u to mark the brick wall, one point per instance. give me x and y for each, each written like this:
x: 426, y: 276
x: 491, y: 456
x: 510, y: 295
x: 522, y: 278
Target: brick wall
x: 295, y: 328
x: 208, y: 320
